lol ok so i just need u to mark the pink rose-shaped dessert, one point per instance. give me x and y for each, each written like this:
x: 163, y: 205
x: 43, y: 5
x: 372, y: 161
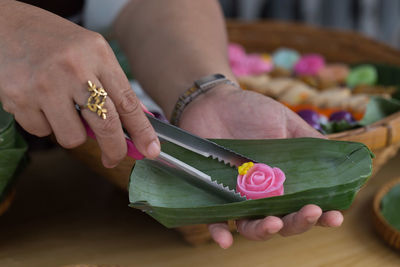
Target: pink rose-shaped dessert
x: 259, y: 181
x: 309, y: 64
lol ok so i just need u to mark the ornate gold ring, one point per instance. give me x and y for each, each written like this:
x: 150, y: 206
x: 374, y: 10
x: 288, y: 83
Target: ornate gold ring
x: 96, y: 100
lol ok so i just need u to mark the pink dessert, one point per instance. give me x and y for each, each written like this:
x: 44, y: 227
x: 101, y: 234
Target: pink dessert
x: 236, y: 53
x: 259, y: 181
x: 309, y: 64
x: 247, y: 64
x: 334, y: 73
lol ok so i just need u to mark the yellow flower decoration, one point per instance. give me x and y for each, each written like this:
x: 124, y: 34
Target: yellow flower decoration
x: 245, y: 167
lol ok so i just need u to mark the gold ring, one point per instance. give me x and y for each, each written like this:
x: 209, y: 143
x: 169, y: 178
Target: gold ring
x: 96, y: 100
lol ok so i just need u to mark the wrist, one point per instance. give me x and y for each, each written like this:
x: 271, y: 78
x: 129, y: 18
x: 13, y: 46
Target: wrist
x: 209, y: 106
x: 201, y: 88
x: 217, y: 93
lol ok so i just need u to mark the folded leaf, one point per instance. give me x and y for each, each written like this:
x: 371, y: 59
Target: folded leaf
x: 323, y: 172
x: 12, y: 151
x: 379, y: 108
x: 7, y: 130
x: 390, y: 207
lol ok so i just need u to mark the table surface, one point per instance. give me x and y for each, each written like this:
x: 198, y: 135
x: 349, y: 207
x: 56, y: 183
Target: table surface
x: 64, y: 214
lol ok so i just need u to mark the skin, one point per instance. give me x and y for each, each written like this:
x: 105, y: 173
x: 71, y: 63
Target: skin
x: 188, y: 41
x: 45, y: 63
x: 226, y: 112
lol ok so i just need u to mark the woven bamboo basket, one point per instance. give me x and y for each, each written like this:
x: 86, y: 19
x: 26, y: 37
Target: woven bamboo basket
x: 382, y: 137
x: 384, y: 229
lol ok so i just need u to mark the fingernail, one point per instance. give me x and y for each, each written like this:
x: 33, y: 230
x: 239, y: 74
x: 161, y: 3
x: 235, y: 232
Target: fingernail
x: 273, y: 230
x: 153, y: 149
x: 107, y: 163
x: 144, y: 107
x: 146, y: 110
x: 311, y: 220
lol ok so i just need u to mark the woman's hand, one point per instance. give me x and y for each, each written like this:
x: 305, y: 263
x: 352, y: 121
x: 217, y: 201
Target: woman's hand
x: 45, y: 64
x: 226, y: 112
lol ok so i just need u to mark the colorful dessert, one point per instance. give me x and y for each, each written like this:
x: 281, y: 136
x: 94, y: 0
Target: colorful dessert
x: 311, y: 117
x: 333, y: 73
x: 236, y: 53
x: 334, y: 97
x: 298, y: 93
x: 285, y: 58
x: 298, y: 81
x: 278, y: 86
x: 247, y: 64
x: 257, y: 83
x: 362, y: 75
x: 309, y: 64
x: 342, y: 116
x: 258, y: 180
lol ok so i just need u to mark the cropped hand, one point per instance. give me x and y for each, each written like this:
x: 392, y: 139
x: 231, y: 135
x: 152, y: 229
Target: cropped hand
x: 226, y: 112
x: 45, y: 65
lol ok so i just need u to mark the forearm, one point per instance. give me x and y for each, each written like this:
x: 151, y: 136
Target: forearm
x: 172, y: 43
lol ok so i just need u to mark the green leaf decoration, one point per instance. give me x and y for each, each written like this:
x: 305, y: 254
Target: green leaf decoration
x: 12, y: 151
x: 379, y: 108
x: 390, y: 207
x: 322, y: 172
x: 337, y: 126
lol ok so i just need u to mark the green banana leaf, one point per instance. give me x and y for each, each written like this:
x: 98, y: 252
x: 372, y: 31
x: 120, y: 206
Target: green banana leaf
x: 390, y: 207
x: 12, y: 151
x: 322, y: 172
x: 379, y: 108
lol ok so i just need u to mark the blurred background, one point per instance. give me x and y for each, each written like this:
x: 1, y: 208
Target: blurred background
x: 379, y: 19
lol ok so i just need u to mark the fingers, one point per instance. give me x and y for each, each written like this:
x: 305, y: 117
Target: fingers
x: 332, y: 218
x: 263, y: 229
x: 109, y: 133
x: 221, y: 235
x: 300, y: 128
x: 301, y: 221
x: 65, y: 122
x: 130, y: 110
x: 260, y: 230
x: 35, y: 124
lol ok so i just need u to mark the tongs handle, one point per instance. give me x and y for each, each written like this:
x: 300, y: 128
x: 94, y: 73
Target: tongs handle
x: 132, y: 150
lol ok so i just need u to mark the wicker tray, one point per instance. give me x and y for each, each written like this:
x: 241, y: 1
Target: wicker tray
x: 384, y: 229
x: 383, y: 137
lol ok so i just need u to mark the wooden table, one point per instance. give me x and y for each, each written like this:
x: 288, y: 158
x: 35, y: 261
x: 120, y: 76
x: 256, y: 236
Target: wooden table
x: 64, y: 214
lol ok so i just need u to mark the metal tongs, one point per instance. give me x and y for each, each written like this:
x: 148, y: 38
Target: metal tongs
x: 201, y: 146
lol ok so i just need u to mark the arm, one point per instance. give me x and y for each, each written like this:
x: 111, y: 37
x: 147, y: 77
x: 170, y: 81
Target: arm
x: 173, y: 43
x: 45, y: 64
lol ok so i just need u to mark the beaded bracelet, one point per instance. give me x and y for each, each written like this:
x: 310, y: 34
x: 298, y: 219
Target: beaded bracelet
x: 199, y: 87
